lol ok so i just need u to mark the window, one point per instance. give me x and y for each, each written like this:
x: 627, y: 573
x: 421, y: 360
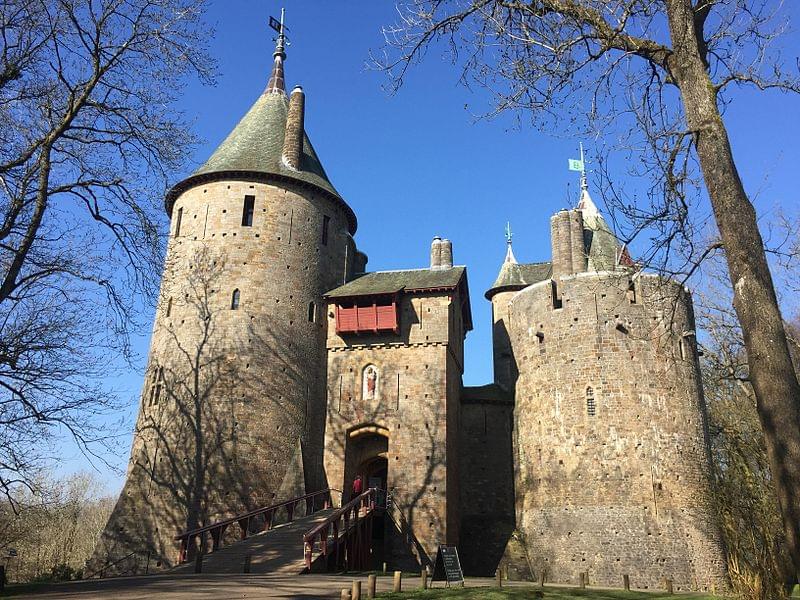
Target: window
x: 591, y: 406
x: 247, y: 211
x: 312, y: 312
x: 155, y: 393
x: 326, y: 220
x: 235, y: 300
x: 178, y: 220
x: 169, y: 306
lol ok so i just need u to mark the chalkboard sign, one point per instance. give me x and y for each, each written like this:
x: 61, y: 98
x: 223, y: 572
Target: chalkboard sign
x: 447, y: 566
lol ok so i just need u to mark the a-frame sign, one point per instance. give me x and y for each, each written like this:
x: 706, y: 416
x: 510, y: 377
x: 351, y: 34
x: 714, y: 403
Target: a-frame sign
x: 447, y: 567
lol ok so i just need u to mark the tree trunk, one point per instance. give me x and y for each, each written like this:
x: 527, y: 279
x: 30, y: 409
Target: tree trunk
x: 772, y: 374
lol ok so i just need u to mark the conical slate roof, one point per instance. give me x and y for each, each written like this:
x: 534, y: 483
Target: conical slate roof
x: 253, y: 150
x: 602, y: 247
x: 515, y: 276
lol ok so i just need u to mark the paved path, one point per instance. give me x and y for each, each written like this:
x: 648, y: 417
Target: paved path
x: 202, y: 587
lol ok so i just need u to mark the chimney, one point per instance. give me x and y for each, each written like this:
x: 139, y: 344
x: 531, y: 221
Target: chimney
x: 293, y: 139
x: 561, y: 244
x: 447, y: 255
x: 436, y: 253
x: 578, y: 248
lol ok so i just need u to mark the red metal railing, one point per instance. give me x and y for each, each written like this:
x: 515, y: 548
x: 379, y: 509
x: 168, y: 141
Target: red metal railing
x: 346, y: 535
x: 313, y: 502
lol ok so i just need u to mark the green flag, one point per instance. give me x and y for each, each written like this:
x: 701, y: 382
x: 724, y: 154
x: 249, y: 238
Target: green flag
x: 575, y: 165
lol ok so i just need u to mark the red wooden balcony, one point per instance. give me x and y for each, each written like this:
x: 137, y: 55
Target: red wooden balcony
x: 367, y: 318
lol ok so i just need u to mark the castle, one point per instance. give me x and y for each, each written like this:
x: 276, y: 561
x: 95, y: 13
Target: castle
x: 280, y: 365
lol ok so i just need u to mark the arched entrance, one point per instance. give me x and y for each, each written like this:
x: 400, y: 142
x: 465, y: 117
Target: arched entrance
x: 366, y: 453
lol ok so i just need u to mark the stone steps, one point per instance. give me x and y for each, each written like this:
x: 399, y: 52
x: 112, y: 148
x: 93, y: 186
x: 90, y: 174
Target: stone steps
x: 279, y: 550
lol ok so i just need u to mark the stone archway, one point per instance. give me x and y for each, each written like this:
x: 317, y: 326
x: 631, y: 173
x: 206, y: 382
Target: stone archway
x: 366, y: 453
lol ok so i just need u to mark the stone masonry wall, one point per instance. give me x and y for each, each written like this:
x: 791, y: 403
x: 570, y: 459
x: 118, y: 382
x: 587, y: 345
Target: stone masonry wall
x: 419, y: 376
x: 230, y: 396
x: 612, y: 463
x: 487, y: 482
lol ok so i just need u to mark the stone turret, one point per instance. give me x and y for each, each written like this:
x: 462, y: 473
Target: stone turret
x: 258, y: 234
x: 612, y: 459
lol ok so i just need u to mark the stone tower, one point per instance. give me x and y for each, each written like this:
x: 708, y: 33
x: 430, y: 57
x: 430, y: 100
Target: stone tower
x: 612, y: 467
x: 232, y: 412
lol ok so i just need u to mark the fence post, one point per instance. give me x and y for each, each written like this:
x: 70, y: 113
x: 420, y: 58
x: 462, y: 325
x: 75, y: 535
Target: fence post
x: 356, y: 593
x: 583, y: 581
x: 398, y: 581
x: 668, y: 585
x: 345, y: 594
x: 424, y: 576
x: 626, y: 582
x: 247, y: 560
x: 2, y: 578
x: 498, y: 576
x: 198, y: 563
x: 543, y: 577
x: 372, y: 581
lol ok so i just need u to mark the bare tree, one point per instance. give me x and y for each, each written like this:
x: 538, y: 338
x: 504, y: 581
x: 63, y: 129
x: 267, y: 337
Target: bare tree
x: 668, y: 65
x: 88, y: 135
x: 57, y: 529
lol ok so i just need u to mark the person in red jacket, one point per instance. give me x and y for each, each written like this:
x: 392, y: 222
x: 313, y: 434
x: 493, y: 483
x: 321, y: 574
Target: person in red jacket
x: 358, y: 486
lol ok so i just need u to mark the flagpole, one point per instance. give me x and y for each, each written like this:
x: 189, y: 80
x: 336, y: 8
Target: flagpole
x: 584, y: 183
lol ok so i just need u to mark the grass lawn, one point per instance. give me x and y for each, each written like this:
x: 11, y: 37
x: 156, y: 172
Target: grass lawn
x: 527, y: 593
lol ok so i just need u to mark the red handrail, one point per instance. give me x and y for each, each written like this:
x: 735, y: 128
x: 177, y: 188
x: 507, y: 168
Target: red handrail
x: 244, y: 520
x: 351, y: 527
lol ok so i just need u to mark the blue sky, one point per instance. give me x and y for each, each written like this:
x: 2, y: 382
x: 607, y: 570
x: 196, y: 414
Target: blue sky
x: 418, y: 164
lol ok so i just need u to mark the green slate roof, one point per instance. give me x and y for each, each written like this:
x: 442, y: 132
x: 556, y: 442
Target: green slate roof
x: 389, y: 282
x: 516, y: 276
x: 253, y: 150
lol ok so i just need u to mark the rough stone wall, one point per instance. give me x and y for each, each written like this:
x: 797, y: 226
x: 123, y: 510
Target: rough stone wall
x: 416, y: 402
x: 505, y: 366
x: 487, y: 482
x: 625, y: 490
x: 231, y: 395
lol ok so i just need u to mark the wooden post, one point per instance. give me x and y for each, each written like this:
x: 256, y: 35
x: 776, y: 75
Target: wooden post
x: 498, y: 575
x: 247, y: 560
x: 198, y: 563
x: 424, y: 575
x: 626, y: 582
x: 345, y: 594
x: 668, y: 586
x: 384, y: 568
x: 2, y: 578
x: 356, y: 593
x: 372, y: 581
x: 398, y: 582
x: 543, y: 577
x: 583, y: 581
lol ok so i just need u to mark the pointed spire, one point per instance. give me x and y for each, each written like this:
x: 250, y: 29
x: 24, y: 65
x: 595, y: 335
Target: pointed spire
x: 585, y: 203
x: 510, y: 258
x: 277, y: 84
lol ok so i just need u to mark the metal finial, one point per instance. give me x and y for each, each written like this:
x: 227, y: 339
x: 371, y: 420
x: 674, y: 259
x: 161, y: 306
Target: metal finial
x: 280, y: 27
x: 509, y: 235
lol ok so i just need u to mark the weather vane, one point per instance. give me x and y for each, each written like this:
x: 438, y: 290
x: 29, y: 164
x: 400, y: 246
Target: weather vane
x: 281, y: 28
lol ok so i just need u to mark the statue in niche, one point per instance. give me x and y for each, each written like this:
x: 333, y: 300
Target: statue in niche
x: 370, y: 387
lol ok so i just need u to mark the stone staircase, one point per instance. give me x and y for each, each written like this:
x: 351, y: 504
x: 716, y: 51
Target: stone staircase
x: 279, y: 550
